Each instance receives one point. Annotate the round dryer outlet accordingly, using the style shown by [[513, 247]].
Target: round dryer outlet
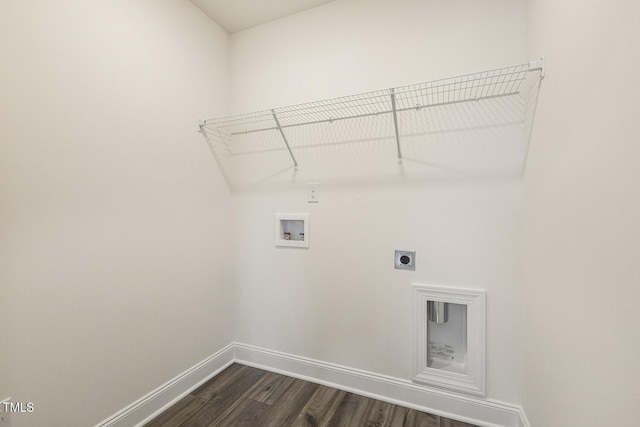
[[405, 260]]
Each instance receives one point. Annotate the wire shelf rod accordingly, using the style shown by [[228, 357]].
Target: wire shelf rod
[[337, 104], [204, 133], [275, 117], [495, 83], [336, 108], [435, 95], [518, 70], [395, 123], [398, 110]]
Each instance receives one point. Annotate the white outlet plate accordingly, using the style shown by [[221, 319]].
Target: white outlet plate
[[313, 192]]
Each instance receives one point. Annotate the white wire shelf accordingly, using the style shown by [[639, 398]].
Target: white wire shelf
[[228, 136]]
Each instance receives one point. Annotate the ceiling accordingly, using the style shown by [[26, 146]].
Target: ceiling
[[238, 15]]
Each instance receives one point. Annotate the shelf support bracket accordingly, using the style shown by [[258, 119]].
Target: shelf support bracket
[[275, 117], [395, 124], [203, 131], [537, 65]]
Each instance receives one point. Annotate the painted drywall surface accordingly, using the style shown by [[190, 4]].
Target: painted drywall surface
[[114, 219], [372, 44], [341, 301], [581, 229]]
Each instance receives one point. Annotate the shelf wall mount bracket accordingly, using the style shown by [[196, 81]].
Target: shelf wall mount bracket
[[395, 124], [203, 131], [537, 65], [275, 117]]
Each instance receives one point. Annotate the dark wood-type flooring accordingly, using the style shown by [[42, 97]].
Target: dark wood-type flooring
[[245, 396]]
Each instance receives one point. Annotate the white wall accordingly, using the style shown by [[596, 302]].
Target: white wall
[[581, 234], [108, 196], [341, 301], [351, 46], [113, 217]]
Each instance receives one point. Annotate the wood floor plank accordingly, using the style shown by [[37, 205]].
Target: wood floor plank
[[399, 417], [378, 414], [225, 400], [421, 419], [320, 408], [245, 396], [446, 422], [209, 389], [247, 413], [180, 411], [270, 388], [286, 409], [350, 411]]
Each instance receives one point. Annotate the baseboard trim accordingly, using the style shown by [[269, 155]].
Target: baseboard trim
[[479, 411], [474, 410], [154, 403]]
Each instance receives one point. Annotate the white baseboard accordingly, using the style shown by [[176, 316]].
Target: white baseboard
[[479, 411], [160, 399]]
